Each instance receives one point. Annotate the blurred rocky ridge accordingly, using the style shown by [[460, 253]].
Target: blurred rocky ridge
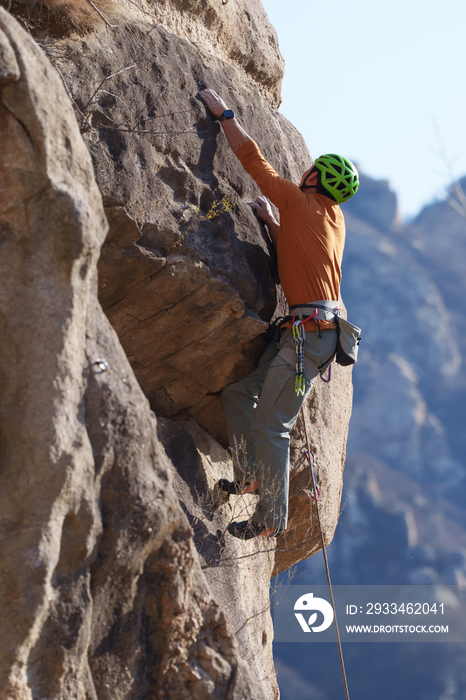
[[404, 284], [403, 518], [147, 595]]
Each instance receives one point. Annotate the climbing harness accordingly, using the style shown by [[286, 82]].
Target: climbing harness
[[316, 498], [348, 337], [323, 310]]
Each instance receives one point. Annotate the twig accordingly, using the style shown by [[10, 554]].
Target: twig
[[68, 91], [226, 560], [89, 102], [136, 116], [222, 537], [123, 70], [108, 77], [103, 152], [170, 114], [116, 97], [98, 111], [264, 551], [251, 617], [159, 116], [112, 26], [148, 131]]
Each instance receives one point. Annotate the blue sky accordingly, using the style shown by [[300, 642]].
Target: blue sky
[[381, 83]]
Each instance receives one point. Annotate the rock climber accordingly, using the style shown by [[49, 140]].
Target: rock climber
[[261, 409]]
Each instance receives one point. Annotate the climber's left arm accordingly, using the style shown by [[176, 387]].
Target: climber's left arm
[[264, 211]]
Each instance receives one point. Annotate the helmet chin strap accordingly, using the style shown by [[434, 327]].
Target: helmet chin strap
[[318, 186], [311, 172]]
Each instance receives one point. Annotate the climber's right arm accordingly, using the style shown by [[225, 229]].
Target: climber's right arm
[[276, 188], [235, 134]]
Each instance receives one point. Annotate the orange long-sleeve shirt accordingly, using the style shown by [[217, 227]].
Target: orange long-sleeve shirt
[[311, 236]]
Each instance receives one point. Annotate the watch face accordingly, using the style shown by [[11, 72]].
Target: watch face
[[228, 114]]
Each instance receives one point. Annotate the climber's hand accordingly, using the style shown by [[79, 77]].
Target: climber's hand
[[214, 102], [264, 211]]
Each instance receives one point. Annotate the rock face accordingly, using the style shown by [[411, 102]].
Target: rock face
[[189, 300], [238, 573], [187, 277], [119, 575], [102, 593], [239, 32]]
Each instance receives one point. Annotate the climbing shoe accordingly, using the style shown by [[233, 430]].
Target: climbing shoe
[[236, 488], [247, 529]]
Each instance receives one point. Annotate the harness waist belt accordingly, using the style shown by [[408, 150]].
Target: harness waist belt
[[326, 310]]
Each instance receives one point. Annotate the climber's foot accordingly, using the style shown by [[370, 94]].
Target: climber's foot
[[236, 488], [247, 529]]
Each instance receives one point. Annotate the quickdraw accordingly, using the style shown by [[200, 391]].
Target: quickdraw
[[299, 335]]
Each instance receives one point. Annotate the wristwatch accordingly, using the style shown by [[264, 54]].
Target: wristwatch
[[228, 114]]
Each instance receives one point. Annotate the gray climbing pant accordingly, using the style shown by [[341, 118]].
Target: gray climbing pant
[[261, 410]]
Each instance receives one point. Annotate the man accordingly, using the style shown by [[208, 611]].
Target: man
[[262, 408]]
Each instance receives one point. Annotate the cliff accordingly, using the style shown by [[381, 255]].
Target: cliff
[[116, 572]]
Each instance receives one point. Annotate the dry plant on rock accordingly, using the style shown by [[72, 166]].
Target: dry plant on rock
[[242, 507], [62, 16]]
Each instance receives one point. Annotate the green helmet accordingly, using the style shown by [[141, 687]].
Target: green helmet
[[338, 176]]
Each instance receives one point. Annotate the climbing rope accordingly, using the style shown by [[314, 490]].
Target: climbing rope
[[312, 462]]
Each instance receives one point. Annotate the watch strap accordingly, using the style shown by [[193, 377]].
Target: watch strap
[[227, 114]]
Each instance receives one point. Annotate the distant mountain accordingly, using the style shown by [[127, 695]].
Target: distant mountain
[[403, 518]]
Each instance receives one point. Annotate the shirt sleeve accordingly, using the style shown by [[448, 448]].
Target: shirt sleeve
[[274, 187]]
